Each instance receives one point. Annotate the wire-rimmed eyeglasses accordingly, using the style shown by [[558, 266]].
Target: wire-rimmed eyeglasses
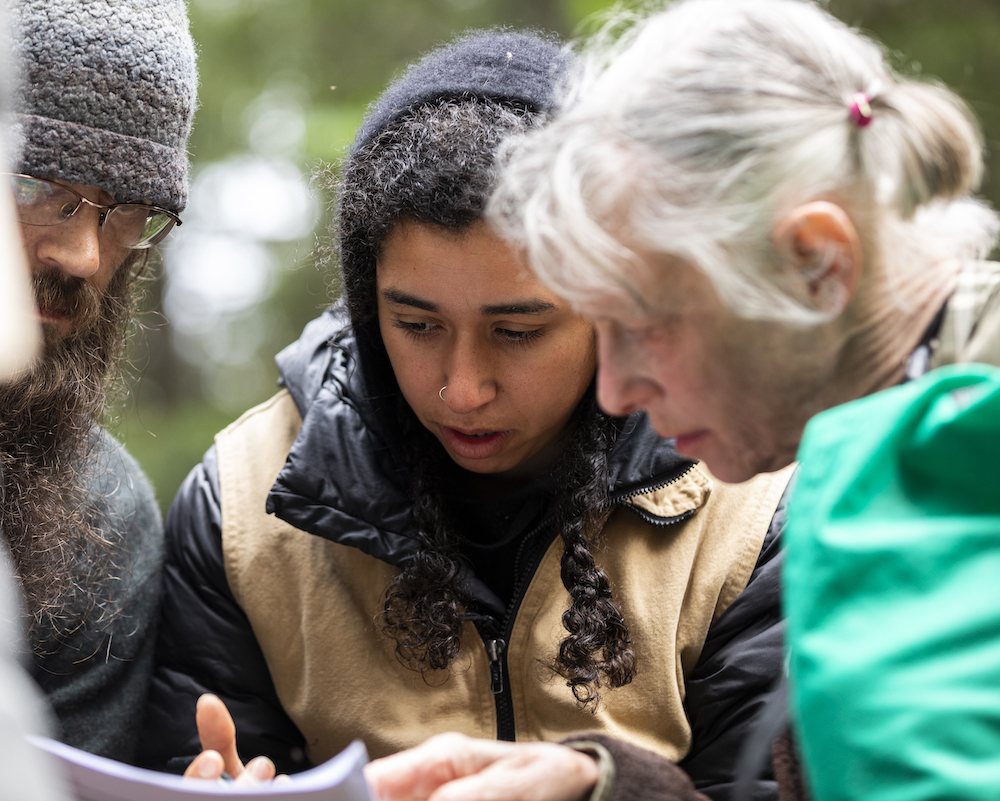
[[129, 225]]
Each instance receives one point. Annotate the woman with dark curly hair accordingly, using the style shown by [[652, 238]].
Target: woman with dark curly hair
[[458, 539]]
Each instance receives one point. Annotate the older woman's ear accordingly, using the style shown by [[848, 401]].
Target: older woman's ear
[[822, 255]]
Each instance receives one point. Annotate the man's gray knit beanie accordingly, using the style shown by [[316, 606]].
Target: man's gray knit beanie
[[498, 64], [108, 91]]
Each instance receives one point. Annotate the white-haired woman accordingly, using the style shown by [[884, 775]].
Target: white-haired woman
[[765, 222]]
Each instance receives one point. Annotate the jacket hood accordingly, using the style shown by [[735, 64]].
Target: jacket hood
[[499, 64], [341, 480]]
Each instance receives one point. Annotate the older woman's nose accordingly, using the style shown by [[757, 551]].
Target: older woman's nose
[[622, 386]]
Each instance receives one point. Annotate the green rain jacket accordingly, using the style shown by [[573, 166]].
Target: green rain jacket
[[892, 592]]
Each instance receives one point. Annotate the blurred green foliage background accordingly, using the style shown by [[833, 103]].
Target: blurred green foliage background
[[283, 84]]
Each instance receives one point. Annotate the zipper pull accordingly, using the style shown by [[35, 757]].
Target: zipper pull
[[494, 650]]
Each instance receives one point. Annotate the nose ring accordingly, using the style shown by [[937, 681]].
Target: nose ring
[[441, 391]]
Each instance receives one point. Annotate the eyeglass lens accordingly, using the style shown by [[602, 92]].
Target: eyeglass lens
[[130, 225]]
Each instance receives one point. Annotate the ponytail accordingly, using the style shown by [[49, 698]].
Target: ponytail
[[923, 145]]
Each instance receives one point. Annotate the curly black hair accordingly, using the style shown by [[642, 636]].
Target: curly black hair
[[437, 166]]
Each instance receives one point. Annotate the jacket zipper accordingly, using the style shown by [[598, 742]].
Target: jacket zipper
[[627, 494], [496, 637], [494, 650], [496, 645]]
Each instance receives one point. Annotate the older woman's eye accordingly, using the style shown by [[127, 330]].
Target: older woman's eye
[[651, 332]]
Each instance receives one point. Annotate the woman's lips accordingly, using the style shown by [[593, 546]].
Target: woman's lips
[[474, 444]]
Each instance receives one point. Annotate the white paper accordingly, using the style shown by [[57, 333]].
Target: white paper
[[94, 778]]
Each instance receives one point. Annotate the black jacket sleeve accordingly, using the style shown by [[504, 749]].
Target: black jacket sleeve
[[739, 666], [206, 644]]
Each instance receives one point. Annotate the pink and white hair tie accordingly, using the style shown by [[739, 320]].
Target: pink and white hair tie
[[861, 110]]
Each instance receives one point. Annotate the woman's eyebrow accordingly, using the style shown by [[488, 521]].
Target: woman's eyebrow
[[404, 299], [519, 307]]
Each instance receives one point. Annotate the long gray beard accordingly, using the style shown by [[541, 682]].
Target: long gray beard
[[49, 427]]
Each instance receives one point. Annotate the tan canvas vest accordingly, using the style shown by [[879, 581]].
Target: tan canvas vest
[[313, 603]]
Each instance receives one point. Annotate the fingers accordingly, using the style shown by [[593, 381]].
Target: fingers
[[412, 775], [528, 772], [452, 767], [218, 739], [258, 769], [415, 774], [210, 765], [218, 732], [207, 765]]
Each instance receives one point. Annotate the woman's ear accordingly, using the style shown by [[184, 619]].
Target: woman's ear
[[821, 251]]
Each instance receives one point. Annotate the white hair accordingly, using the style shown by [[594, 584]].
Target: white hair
[[694, 131]]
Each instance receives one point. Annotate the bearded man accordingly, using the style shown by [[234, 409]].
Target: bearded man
[[101, 124]]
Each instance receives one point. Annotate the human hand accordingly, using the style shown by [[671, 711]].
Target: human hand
[[218, 741], [453, 767]]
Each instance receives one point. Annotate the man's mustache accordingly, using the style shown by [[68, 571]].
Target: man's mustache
[[68, 297]]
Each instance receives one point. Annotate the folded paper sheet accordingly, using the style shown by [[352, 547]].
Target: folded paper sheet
[[94, 778]]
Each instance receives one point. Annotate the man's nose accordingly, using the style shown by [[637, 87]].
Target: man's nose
[[470, 379], [73, 246], [622, 385]]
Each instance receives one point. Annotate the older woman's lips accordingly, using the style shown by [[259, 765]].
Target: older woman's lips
[[685, 443], [474, 444]]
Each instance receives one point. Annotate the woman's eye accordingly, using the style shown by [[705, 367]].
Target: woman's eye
[[518, 337], [414, 329]]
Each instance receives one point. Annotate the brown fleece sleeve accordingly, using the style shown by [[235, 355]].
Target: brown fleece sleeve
[[631, 773], [788, 769]]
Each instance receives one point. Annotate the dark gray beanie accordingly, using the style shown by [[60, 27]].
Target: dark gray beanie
[[108, 91], [498, 64]]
